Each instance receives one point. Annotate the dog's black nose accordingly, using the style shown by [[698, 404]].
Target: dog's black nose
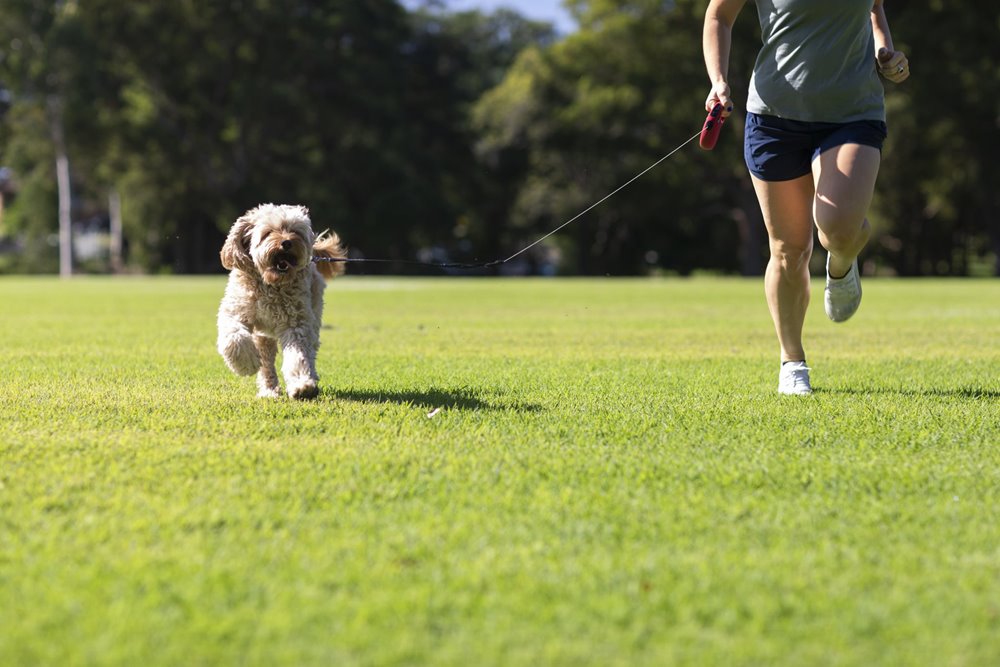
[[286, 245]]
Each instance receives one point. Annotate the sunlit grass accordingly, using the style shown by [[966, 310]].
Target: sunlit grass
[[501, 472]]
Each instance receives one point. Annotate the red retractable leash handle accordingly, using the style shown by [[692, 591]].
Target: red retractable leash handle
[[710, 131]]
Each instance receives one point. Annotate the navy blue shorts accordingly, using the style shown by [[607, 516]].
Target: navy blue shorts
[[776, 149]]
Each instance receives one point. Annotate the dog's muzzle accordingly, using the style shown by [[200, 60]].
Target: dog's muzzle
[[285, 262]]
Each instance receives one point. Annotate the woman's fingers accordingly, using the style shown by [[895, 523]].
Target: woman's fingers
[[719, 95], [893, 65]]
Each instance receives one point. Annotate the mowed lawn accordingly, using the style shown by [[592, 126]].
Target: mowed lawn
[[501, 472]]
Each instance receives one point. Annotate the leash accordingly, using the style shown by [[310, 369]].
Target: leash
[[708, 135]]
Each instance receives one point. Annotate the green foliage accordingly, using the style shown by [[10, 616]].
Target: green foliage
[[38, 45], [276, 105], [597, 108], [29, 153], [938, 198], [467, 132], [584, 115], [198, 111], [611, 479]]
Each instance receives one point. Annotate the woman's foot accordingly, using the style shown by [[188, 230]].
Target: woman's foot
[[794, 379], [842, 295]]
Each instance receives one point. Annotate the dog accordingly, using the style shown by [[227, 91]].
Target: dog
[[274, 297]]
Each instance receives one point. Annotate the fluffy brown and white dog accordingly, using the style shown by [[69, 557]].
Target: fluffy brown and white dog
[[275, 297]]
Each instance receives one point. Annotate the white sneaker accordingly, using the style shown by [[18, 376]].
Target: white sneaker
[[842, 295], [794, 379]]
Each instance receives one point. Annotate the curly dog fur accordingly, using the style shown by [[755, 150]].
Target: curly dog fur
[[275, 297]]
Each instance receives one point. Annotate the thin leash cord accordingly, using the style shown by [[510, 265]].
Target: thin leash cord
[[498, 262]]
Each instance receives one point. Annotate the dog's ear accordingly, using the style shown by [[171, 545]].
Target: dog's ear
[[235, 252]]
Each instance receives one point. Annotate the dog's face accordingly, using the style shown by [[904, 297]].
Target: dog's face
[[273, 241], [280, 247]]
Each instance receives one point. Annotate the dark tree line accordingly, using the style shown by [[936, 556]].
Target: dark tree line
[[459, 136]]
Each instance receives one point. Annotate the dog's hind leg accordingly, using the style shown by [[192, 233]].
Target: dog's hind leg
[[298, 362], [267, 376]]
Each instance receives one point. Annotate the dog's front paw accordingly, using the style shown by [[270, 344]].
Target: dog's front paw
[[240, 354], [303, 389], [268, 392]]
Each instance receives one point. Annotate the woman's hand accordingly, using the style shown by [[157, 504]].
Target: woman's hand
[[893, 65], [720, 95]]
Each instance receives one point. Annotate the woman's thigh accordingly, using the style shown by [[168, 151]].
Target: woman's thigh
[[787, 210], [844, 180]]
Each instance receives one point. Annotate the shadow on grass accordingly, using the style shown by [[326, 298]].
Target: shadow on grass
[[432, 398], [962, 392]]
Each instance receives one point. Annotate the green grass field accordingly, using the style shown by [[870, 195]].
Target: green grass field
[[611, 479]]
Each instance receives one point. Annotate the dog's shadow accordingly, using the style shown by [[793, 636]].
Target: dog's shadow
[[459, 399]]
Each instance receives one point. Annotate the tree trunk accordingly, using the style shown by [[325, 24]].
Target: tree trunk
[[115, 215], [63, 184]]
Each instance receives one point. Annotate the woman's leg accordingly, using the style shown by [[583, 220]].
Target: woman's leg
[[844, 178], [787, 209]]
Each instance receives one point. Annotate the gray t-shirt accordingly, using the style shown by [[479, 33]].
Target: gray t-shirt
[[817, 63]]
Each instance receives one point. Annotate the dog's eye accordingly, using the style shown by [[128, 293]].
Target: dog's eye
[[265, 234]]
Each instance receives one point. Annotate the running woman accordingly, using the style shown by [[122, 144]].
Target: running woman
[[814, 131]]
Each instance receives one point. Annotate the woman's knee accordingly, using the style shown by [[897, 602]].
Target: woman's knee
[[791, 257], [843, 235]]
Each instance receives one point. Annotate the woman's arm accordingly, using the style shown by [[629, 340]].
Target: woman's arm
[[892, 64], [717, 40]]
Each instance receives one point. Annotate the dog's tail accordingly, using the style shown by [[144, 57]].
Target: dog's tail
[[328, 245]]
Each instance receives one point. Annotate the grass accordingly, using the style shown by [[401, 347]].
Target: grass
[[611, 479]]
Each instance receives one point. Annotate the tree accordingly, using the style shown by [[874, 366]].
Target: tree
[[572, 121], [44, 52], [937, 201], [586, 114], [357, 110], [467, 132], [453, 60], [221, 105]]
